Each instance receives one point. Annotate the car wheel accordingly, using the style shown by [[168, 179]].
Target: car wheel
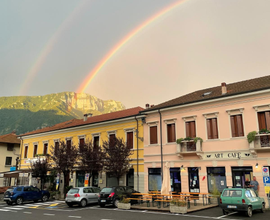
[[249, 211], [102, 205], [83, 203], [224, 212], [69, 204], [115, 203], [45, 198], [263, 208], [19, 201], [9, 202]]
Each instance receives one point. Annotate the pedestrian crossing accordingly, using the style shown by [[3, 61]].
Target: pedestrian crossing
[[43, 205]]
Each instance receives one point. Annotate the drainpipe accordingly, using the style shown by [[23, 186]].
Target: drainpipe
[[137, 153], [21, 148], [161, 150]]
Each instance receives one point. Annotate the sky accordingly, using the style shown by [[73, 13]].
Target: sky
[[51, 46]]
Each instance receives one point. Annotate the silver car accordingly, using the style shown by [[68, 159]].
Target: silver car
[[82, 196]]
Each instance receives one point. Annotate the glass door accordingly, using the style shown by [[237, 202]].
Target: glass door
[[194, 184]]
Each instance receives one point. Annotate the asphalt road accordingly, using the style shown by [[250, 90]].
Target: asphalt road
[[59, 211]]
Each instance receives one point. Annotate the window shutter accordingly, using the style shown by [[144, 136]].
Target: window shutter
[[233, 124], [192, 129], [262, 120], [169, 133], [130, 139], [112, 140], [56, 146], [45, 149], [267, 119], [240, 125], [214, 128], [173, 133], [188, 130], [153, 135], [25, 151], [209, 130]]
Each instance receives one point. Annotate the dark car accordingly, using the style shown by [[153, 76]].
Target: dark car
[[112, 195], [19, 194]]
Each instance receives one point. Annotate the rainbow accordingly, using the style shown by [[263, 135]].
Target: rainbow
[[122, 42], [35, 68]]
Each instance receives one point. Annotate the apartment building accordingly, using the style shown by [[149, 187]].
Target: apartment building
[[9, 152], [211, 127], [126, 124]]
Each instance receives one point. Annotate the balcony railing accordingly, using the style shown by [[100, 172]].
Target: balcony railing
[[189, 147], [261, 143]]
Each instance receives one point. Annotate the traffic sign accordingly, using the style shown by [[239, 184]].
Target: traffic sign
[[266, 179], [265, 171]]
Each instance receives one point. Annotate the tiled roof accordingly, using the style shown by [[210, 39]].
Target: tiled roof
[[90, 120], [10, 138], [236, 88]]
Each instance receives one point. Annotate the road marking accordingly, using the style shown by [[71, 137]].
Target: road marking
[[55, 204], [49, 214], [13, 208], [33, 207], [226, 215], [2, 205], [74, 216], [27, 212], [4, 210]]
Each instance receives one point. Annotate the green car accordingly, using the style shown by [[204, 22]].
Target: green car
[[241, 200]]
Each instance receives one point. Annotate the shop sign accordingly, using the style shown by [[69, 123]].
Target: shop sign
[[265, 171], [86, 179], [228, 155]]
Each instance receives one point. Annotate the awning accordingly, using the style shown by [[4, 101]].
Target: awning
[[16, 174]]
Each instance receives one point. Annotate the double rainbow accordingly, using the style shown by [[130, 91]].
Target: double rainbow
[[118, 46]]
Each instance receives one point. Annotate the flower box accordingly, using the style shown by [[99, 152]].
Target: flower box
[[178, 209], [123, 205]]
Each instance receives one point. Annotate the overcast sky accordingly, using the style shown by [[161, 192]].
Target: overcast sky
[[198, 44]]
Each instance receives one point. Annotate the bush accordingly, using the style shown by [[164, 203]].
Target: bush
[[251, 136], [179, 202]]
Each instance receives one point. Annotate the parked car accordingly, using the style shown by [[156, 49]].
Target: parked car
[[19, 194], [241, 200], [82, 196], [112, 195]]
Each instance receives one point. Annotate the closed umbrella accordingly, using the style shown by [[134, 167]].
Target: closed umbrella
[[166, 183]]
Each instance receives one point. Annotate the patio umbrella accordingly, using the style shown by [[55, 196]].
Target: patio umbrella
[[166, 183]]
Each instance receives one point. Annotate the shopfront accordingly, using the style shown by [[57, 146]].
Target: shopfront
[[240, 175], [193, 179], [216, 178]]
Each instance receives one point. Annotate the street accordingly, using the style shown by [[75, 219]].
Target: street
[[58, 210]]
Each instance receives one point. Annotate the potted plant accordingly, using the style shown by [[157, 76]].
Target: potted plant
[[178, 206], [251, 136], [124, 203]]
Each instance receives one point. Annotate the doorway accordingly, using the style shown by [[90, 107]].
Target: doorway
[[175, 179], [240, 175], [193, 179]]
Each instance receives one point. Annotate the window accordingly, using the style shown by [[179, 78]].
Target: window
[[190, 129], [8, 161], [153, 135], [237, 126], [35, 150], [10, 147], [212, 128], [130, 139], [96, 141], [111, 140], [56, 146], [68, 145], [171, 133], [154, 182], [81, 143], [45, 148], [25, 151], [264, 120]]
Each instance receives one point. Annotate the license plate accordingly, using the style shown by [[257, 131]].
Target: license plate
[[232, 206], [103, 200]]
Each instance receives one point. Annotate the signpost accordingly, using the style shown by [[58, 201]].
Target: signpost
[[265, 171], [86, 179]]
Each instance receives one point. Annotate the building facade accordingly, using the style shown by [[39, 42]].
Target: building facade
[[9, 152], [211, 127], [126, 124]]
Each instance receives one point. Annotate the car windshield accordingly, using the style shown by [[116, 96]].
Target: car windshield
[[106, 190], [10, 189], [232, 193], [73, 191]]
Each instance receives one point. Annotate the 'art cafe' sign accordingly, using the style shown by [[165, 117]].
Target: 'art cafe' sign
[[227, 155]]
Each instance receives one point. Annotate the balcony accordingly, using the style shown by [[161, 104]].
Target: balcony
[[260, 144], [189, 148]]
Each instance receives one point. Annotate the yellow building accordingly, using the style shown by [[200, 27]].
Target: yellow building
[[126, 124]]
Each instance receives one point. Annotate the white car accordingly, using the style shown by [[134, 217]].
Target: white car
[[82, 196]]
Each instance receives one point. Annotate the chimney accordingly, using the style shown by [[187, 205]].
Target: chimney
[[152, 106], [84, 117], [89, 115], [223, 88], [147, 106]]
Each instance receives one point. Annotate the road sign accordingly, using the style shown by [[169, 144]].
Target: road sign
[[266, 179], [265, 171]]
